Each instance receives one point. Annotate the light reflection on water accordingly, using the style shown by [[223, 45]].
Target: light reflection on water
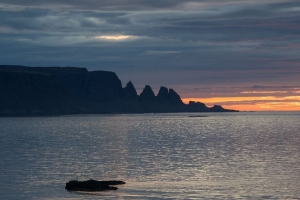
[[160, 156]]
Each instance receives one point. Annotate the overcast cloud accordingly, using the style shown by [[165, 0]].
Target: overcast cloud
[[179, 44]]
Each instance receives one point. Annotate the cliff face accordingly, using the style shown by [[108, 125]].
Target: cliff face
[[70, 90], [102, 86], [96, 86], [24, 93]]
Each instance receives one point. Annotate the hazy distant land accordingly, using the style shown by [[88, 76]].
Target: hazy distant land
[[27, 91]]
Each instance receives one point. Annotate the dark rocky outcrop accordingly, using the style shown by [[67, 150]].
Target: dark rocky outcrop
[[70, 90], [217, 108], [92, 185], [163, 95], [196, 107], [147, 94], [174, 98], [129, 91]]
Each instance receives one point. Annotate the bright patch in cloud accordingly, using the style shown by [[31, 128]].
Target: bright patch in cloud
[[116, 37]]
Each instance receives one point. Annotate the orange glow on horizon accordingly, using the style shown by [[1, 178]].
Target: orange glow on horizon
[[266, 103]]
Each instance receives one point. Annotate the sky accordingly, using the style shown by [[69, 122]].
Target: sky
[[241, 54]]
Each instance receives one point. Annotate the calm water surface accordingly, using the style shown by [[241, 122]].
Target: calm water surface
[[160, 156]]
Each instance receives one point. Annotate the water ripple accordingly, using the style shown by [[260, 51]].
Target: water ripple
[[161, 156]]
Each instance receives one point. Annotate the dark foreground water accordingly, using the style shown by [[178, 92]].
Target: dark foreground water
[[160, 156]]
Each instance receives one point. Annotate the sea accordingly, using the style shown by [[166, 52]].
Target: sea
[[244, 155]]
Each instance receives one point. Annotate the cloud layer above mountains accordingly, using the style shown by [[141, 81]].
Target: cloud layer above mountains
[[181, 44]]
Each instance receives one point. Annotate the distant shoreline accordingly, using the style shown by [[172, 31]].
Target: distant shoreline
[[40, 91]]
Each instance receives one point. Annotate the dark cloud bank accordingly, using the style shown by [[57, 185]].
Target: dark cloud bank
[[180, 44]]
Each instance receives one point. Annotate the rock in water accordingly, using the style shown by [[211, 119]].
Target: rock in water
[[92, 185]]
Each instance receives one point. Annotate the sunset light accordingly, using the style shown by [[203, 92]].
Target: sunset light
[[185, 99], [264, 103]]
